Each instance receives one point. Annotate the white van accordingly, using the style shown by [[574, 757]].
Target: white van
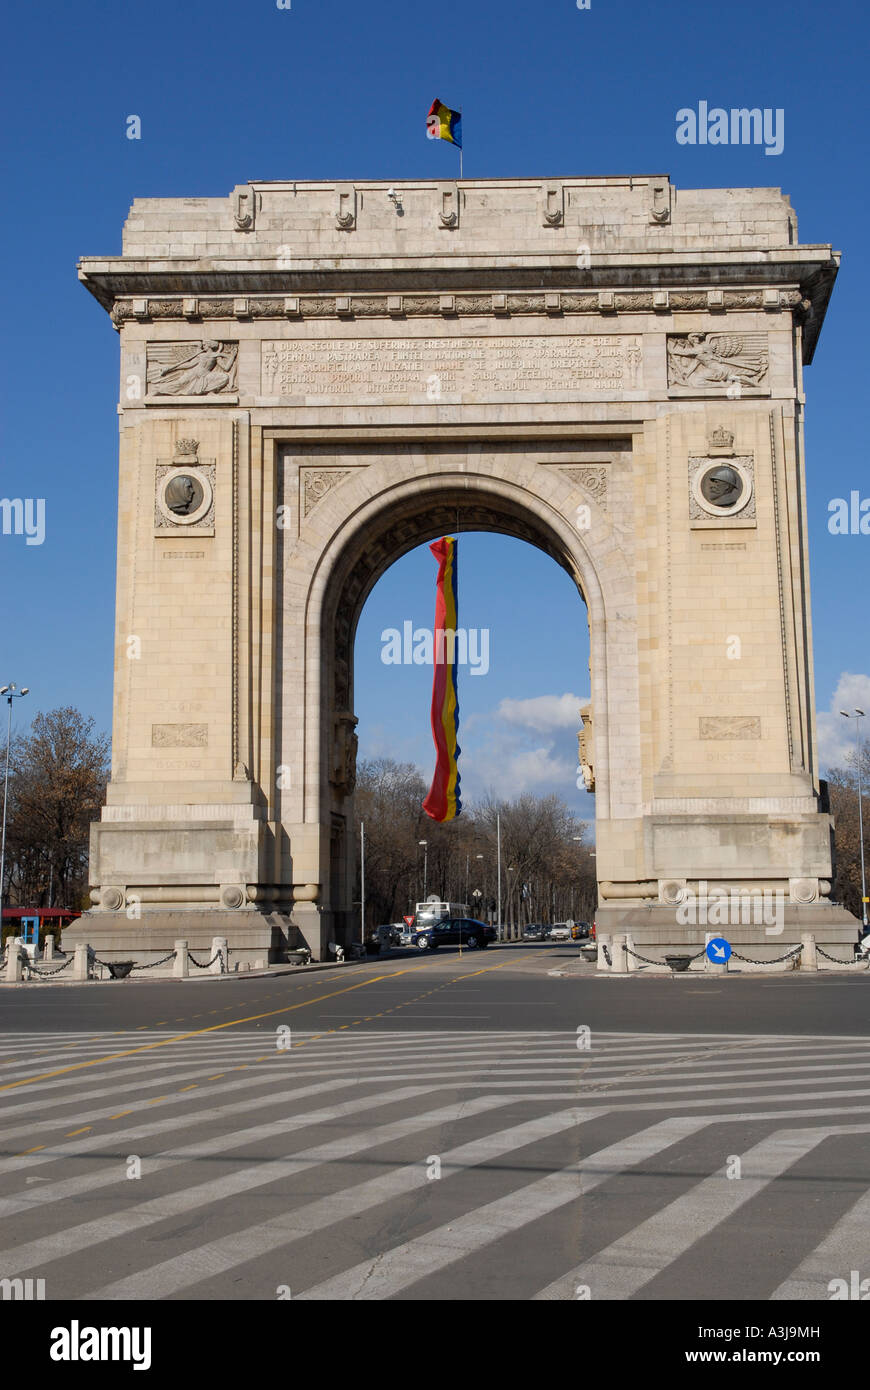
[[432, 911]]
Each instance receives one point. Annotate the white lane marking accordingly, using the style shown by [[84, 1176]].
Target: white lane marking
[[220, 1255], [620, 1269], [186, 1199], [405, 1264], [845, 1248]]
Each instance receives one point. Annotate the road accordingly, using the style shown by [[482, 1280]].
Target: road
[[436, 1127]]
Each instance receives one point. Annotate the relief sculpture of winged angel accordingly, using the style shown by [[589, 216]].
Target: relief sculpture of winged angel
[[717, 359], [188, 369]]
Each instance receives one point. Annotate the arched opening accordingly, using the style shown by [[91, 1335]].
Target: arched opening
[[385, 521], [522, 657]]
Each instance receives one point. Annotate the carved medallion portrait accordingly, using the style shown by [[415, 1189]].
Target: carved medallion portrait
[[721, 488], [184, 496]]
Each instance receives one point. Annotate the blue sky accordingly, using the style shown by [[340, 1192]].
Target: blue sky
[[228, 92]]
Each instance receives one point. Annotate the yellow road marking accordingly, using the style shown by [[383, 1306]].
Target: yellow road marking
[[194, 1087], [120, 1115], [34, 1150], [72, 1132], [195, 1033]]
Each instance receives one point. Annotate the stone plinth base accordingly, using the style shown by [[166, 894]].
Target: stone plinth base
[[251, 935], [656, 927]]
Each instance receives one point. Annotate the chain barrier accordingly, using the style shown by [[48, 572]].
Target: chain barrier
[[151, 963], [863, 960], [647, 960], [774, 960], [40, 973], [200, 965], [606, 954]]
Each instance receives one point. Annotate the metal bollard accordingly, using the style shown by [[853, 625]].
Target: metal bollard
[[181, 965]]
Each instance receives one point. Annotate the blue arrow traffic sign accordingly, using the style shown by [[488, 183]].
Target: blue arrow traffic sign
[[718, 950]]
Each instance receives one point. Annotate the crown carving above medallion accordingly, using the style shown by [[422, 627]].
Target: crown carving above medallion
[[186, 448], [721, 438]]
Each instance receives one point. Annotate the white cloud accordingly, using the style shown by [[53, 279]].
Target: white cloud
[[543, 712], [528, 746], [836, 734], [521, 746]]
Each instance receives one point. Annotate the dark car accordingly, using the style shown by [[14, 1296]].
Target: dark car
[[455, 931], [534, 932]]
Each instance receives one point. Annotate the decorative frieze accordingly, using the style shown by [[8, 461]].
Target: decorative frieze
[[429, 305]]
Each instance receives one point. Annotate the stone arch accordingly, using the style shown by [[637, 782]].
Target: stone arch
[[374, 517]]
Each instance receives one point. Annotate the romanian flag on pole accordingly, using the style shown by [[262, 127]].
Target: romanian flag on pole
[[444, 124], [443, 802]]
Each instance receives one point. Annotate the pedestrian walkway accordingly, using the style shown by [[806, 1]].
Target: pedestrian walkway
[[455, 1165]]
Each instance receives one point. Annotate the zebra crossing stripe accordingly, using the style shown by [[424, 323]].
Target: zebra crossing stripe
[[138, 1133], [394, 1270], [625, 1266], [135, 1218], [845, 1248], [159, 1281]]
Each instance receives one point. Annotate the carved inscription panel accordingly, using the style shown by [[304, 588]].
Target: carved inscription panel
[[429, 368]]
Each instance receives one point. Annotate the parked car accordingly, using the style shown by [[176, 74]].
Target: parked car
[[559, 931], [534, 932], [454, 931], [390, 934]]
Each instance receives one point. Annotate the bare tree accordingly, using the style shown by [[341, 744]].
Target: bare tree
[[843, 795], [540, 843], [58, 775]]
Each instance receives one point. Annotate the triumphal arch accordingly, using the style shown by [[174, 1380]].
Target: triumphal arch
[[317, 377]]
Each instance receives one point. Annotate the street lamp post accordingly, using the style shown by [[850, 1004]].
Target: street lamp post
[[425, 844], [362, 882], [858, 716], [11, 692], [498, 858]]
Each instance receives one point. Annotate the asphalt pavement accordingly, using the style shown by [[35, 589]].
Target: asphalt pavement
[[430, 1127]]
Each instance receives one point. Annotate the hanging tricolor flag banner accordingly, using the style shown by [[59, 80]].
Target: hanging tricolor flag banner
[[444, 124], [442, 802]]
